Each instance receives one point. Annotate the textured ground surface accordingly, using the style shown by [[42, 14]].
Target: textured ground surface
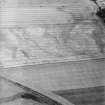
[[50, 33], [74, 78], [85, 96]]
